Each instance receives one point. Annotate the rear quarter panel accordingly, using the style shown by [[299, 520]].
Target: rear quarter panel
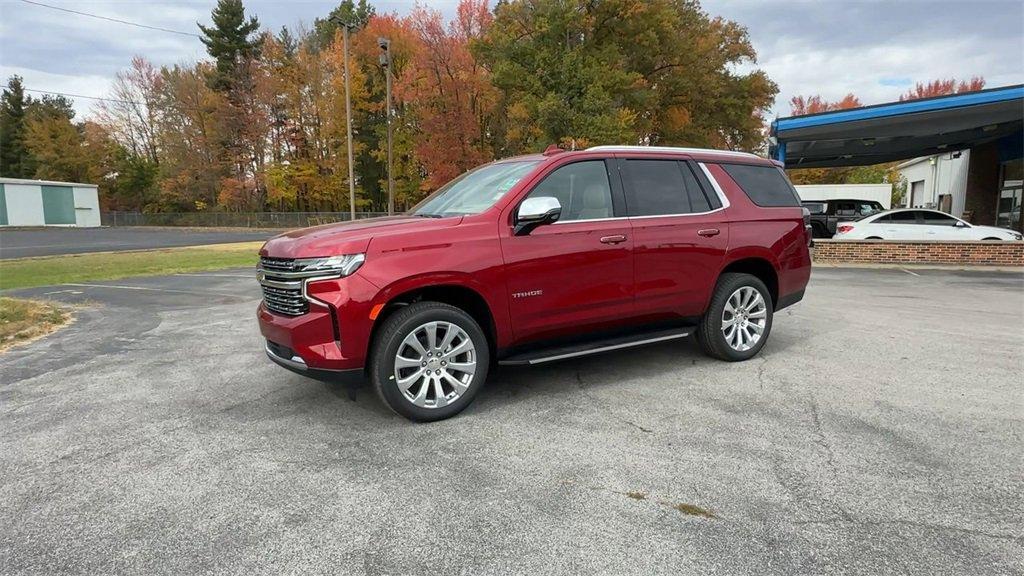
[[774, 234]]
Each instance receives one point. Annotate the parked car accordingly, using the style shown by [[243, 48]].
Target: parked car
[[919, 224], [826, 214], [535, 259]]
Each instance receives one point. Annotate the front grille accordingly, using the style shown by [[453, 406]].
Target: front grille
[[285, 301], [282, 294]]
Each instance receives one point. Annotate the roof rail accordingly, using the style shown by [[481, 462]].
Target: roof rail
[[671, 149]]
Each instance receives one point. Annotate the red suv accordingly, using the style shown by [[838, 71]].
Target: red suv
[[534, 259]]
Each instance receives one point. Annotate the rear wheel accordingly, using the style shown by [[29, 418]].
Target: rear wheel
[[989, 239], [429, 360], [736, 324], [873, 238]]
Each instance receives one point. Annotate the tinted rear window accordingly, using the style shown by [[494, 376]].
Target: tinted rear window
[[765, 185], [656, 187]]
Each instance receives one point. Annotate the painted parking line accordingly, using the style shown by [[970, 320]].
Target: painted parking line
[[909, 272], [148, 289]]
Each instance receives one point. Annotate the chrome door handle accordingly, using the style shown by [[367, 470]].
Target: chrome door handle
[[617, 238], [708, 232]]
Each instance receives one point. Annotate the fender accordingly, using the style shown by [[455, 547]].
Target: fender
[[491, 293]]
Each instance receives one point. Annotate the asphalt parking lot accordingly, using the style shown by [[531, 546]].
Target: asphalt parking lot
[[22, 243], [879, 432]]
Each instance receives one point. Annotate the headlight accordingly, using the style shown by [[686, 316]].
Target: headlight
[[340, 265]]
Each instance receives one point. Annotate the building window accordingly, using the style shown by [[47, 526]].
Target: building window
[[1011, 186]]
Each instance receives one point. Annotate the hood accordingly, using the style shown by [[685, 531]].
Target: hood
[[994, 230], [347, 237]]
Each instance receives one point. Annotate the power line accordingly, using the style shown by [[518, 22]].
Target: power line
[[52, 93], [111, 20]]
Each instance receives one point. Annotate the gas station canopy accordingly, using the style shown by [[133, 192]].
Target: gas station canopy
[[899, 130]]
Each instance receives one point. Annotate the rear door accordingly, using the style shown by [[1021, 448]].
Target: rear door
[[902, 225], [576, 274], [679, 234]]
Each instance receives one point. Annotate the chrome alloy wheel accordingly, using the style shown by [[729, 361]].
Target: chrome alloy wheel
[[435, 364], [744, 318]]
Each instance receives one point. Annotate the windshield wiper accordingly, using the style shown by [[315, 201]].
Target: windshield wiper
[[428, 215]]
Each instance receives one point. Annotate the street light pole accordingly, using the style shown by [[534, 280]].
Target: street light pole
[[385, 61], [345, 26]]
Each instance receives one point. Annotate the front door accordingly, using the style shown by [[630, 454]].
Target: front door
[[575, 274]]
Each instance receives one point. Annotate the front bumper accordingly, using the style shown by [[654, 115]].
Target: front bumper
[[286, 358], [333, 335]]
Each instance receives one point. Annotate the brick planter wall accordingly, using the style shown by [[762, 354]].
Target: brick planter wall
[[920, 252]]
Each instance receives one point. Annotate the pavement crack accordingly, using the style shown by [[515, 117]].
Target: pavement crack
[[1018, 539], [830, 455]]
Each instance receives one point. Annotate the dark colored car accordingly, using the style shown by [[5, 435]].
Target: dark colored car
[[534, 259], [827, 214]]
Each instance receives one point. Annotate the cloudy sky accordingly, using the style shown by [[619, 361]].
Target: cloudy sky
[[874, 49]]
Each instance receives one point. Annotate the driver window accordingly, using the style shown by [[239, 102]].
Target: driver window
[[581, 188]]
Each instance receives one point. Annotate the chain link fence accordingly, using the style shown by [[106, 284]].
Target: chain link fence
[[230, 219]]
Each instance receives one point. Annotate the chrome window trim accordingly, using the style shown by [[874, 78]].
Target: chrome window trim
[[677, 215], [711, 178], [557, 222], [714, 184]]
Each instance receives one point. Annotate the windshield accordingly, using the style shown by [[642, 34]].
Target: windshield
[[474, 191]]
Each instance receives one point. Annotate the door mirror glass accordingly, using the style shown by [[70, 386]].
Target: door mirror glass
[[536, 211]]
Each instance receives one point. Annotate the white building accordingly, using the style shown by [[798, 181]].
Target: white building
[[881, 193], [938, 182], [45, 203]]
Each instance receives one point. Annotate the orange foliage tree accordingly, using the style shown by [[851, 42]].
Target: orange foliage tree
[[943, 88]]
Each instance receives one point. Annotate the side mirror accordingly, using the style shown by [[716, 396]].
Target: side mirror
[[536, 211], [961, 224]]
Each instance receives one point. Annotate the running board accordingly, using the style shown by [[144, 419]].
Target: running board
[[595, 347]]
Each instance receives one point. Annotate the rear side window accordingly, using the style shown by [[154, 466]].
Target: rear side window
[[905, 217], [662, 188], [656, 187], [765, 185]]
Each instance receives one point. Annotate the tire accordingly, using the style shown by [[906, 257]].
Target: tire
[[991, 239], [721, 344], [873, 238], [420, 400]]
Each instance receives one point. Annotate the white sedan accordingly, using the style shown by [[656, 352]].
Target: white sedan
[[918, 224]]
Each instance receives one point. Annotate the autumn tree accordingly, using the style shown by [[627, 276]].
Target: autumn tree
[[131, 112], [943, 88], [802, 106], [622, 72]]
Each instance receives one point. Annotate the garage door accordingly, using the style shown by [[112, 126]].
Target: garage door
[[58, 205]]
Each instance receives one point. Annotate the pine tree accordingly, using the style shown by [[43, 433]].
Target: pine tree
[[229, 42], [15, 160]]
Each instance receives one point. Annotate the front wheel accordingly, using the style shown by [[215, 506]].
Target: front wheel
[[429, 360], [737, 322]]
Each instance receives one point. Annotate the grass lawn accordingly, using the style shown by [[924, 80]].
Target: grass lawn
[[52, 270], [25, 320]]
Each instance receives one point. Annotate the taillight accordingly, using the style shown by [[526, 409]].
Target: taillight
[[844, 229]]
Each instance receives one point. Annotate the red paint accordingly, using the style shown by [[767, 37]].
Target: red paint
[[561, 279]]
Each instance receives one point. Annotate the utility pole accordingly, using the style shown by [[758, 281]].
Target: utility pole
[[348, 119], [385, 61]]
